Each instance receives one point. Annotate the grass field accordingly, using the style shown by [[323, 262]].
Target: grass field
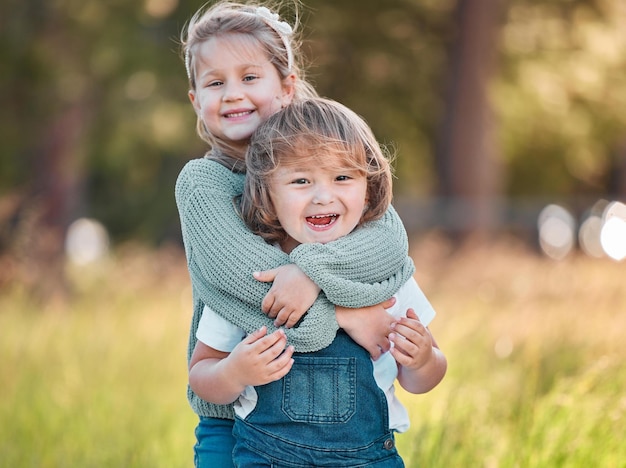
[[536, 375]]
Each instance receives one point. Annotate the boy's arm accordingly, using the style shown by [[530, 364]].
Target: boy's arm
[[219, 377], [427, 377]]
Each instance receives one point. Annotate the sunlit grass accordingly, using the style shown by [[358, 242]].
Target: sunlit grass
[[100, 383], [535, 347], [536, 362]]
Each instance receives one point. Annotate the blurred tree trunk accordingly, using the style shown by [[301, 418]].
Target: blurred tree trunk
[[469, 175], [57, 191], [56, 155]]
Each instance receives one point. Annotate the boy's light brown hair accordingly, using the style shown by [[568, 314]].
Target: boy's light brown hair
[[315, 132]]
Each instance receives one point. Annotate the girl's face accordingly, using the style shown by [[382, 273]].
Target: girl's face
[[237, 87], [317, 204]]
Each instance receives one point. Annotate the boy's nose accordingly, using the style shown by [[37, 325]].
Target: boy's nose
[[322, 196]]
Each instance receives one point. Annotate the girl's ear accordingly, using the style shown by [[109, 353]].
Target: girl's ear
[[194, 103], [289, 89]]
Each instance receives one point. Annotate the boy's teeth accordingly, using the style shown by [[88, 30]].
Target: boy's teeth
[[321, 220]]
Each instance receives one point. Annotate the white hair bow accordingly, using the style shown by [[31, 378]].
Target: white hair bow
[[282, 28]]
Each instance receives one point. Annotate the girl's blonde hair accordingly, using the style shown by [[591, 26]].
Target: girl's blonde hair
[[315, 132], [279, 40]]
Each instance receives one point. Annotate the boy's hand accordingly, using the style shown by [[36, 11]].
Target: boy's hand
[[291, 295], [412, 342], [261, 358]]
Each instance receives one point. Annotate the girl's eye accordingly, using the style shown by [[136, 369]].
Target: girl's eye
[[343, 177], [250, 77], [213, 84], [299, 181]]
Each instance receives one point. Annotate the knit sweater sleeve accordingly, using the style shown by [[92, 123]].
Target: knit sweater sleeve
[[222, 254], [364, 268]]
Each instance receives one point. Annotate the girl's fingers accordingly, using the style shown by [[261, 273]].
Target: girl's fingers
[[267, 304], [266, 276]]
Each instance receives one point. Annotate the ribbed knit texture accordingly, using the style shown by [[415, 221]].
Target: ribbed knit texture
[[355, 269], [364, 268]]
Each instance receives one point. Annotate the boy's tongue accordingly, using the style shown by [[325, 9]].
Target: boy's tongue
[[321, 220]]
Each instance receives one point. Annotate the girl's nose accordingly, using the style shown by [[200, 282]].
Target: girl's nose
[[232, 92]]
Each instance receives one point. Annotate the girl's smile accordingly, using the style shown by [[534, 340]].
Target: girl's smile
[[236, 89]]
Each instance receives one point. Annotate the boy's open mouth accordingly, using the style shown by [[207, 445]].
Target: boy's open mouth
[[321, 220]]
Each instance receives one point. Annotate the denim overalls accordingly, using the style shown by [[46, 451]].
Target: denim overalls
[[327, 412]]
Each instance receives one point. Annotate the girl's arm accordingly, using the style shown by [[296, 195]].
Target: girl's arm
[[363, 268], [346, 270], [368, 326], [222, 254]]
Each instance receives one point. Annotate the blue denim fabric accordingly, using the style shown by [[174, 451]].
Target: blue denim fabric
[[214, 443], [327, 412]]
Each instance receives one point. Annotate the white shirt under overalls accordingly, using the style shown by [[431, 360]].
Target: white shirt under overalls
[[220, 334]]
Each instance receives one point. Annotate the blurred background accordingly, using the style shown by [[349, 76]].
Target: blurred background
[[496, 109], [508, 123]]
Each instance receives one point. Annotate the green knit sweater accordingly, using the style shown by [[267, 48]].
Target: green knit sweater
[[364, 268]]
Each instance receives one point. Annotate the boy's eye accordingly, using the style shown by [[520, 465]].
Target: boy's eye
[[214, 83], [249, 77], [343, 177], [299, 181]]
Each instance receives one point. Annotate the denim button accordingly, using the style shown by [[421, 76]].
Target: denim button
[[388, 444]]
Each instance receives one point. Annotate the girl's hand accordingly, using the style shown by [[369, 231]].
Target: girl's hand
[[368, 326], [412, 342], [291, 295]]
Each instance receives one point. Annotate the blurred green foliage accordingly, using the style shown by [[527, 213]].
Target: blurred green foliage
[[560, 95], [102, 84]]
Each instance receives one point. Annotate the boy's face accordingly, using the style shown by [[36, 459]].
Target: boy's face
[[317, 204], [237, 87]]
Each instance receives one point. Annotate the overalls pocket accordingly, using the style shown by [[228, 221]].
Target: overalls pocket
[[320, 390]]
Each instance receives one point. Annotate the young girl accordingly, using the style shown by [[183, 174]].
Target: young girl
[[316, 172], [243, 66]]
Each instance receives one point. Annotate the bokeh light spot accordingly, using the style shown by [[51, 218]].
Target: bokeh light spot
[[613, 238], [160, 8], [141, 85], [503, 347], [87, 241], [589, 236], [556, 231]]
